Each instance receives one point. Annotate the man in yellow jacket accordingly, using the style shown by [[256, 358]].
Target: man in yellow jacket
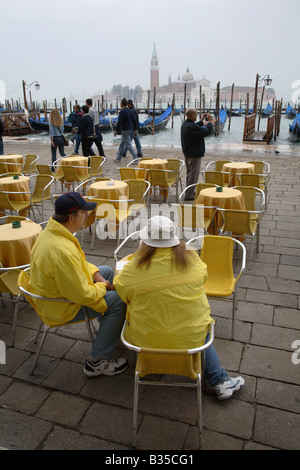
[[59, 269]]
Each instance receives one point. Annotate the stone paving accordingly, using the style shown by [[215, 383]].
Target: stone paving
[[60, 408]]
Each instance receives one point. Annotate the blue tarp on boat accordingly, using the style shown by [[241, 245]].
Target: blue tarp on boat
[[157, 119], [267, 111], [295, 123], [290, 112]]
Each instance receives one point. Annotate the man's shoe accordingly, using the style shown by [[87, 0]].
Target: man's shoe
[[105, 367], [189, 198], [226, 389], [124, 156], [115, 160]]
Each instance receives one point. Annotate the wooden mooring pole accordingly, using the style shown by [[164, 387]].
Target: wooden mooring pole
[[230, 111]]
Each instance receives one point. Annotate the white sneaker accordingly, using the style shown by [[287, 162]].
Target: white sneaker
[[105, 367], [226, 389]]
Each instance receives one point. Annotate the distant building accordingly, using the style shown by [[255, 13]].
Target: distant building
[[240, 94], [164, 93]]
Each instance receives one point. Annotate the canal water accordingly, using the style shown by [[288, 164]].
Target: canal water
[[170, 136]]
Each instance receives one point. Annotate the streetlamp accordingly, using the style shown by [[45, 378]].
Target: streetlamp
[[25, 86], [267, 80]]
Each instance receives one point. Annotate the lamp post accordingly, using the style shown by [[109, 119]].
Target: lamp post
[[37, 87], [267, 80]]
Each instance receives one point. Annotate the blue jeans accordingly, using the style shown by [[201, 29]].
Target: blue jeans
[[137, 144], [214, 373], [126, 144], [110, 322], [58, 142]]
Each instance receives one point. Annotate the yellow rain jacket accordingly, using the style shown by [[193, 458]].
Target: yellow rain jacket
[[166, 307], [59, 269]]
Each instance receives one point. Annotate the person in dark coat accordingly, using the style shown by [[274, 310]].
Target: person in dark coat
[[126, 126], [135, 135], [193, 146], [86, 131]]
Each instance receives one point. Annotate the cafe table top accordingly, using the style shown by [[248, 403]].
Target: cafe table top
[[236, 167], [112, 189], [15, 162], [9, 183], [16, 243], [155, 164], [229, 198]]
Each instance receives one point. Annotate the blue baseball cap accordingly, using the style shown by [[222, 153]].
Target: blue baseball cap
[[71, 202]]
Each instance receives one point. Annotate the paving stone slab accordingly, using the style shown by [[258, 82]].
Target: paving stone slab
[[108, 422], [287, 317], [171, 436], [212, 440], [273, 337], [278, 395], [63, 409], [67, 376], [277, 428], [22, 432], [270, 364], [65, 439], [23, 397]]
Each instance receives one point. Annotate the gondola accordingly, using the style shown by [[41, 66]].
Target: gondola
[[106, 124], [267, 111], [160, 122], [290, 113], [235, 112], [294, 129]]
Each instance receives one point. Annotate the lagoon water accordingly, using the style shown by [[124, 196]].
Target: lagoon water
[[171, 136]]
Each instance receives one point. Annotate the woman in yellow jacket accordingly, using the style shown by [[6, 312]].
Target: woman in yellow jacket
[[163, 287]]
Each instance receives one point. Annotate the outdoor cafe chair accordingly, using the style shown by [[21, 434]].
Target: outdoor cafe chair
[[11, 205], [139, 192], [163, 180], [96, 162], [216, 177], [72, 176], [217, 254], [175, 362], [192, 219], [40, 193], [176, 164], [240, 223], [9, 288], [216, 164], [24, 288], [256, 181], [29, 165]]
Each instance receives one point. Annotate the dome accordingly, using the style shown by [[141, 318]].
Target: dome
[[187, 76]]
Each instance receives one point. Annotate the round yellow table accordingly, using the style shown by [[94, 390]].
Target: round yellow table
[[108, 189], [73, 161], [13, 162], [236, 167], [155, 164], [16, 243], [227, 199], [8, 183]]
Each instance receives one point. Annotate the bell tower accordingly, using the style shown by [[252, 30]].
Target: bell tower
[[154, 70]]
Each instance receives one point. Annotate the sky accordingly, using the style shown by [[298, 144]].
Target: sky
[[79, 48]]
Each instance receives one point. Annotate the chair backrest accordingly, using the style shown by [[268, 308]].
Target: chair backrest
[[175, 164], [42, 187], [43, 169], [24, 287], [96, 162], [250, 193], [217, 164], [250, 179], [259, 166], [29, 163], [70, 173], [217, 254], [236, 221], [214, 177], [5, 202], [3, 168], [190, 216], [161, 177], [138, 190], [127, 173]]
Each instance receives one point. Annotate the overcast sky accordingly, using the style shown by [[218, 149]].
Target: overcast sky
[[84, 47]]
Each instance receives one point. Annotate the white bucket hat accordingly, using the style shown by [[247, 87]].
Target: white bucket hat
[[159, 232]]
